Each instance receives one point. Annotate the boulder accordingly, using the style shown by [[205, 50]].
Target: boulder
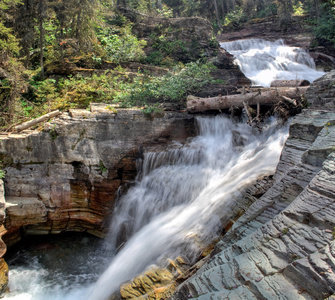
[[321, 93]]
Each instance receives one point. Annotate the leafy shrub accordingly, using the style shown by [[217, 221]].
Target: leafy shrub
[[154, 58], [120, 45], [236, 18], [298, 9], [118, 87], [324, 31], [174, 86], [165, 12]]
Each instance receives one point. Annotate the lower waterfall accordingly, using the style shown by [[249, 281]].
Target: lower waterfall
[[264, 61], [183, 194]]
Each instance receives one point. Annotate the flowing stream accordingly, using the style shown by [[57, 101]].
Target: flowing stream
[[264, 61], [180, 195]]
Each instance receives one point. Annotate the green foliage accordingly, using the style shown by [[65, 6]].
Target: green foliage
[[155, 58], [174, 86], [267, 10], [53, 133], [165, 12], [118, 87], [235, 18], [120, 45], [8, 43], [169, 46], [298, 9], [102, 167], [153, 110], [167, 52], [324, 31]]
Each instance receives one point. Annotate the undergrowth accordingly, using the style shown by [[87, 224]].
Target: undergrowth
[[115, 87]]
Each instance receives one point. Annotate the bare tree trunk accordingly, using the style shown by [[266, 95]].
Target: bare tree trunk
[[27, 60], [41, 17], [289, 83], [40, 119], [223, 9], [78, 25], [159, 4], [266, 96], [61, 44], [217, 13]]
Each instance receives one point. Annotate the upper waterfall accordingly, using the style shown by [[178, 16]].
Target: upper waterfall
[[264, 61]]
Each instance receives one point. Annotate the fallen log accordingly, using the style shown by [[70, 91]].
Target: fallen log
[[266, 96], [33, 122], [289, 83]]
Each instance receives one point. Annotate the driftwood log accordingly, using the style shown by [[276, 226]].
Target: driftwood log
[[40, 119], [266, 96], [289, 83]]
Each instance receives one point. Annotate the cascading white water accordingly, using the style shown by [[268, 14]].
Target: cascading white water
[[184, 193], [264, 61]]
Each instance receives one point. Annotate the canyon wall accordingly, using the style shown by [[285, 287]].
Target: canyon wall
[[66, 176]]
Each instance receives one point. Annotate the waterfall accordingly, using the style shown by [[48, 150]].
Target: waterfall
[[180, 195], [183, 193], [264, 61]]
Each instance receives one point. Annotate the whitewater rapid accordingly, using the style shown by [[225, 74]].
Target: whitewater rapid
[[265, 61]]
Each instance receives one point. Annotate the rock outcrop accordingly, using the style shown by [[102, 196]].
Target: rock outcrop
[[295, 32], [66, 177], [321, 94], [283, 246]]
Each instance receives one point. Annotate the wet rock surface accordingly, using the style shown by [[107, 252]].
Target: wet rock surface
[[283, 246]]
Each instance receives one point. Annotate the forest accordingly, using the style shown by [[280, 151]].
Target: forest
[[61, 54]]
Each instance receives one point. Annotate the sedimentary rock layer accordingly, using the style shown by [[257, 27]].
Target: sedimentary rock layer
[[66, 176], [283, 246]]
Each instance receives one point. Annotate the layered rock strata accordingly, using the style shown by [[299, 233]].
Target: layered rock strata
[[66, 177], [283, 246]]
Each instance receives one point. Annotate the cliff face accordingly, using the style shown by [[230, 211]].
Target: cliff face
[[66, 177], [283, 246]]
